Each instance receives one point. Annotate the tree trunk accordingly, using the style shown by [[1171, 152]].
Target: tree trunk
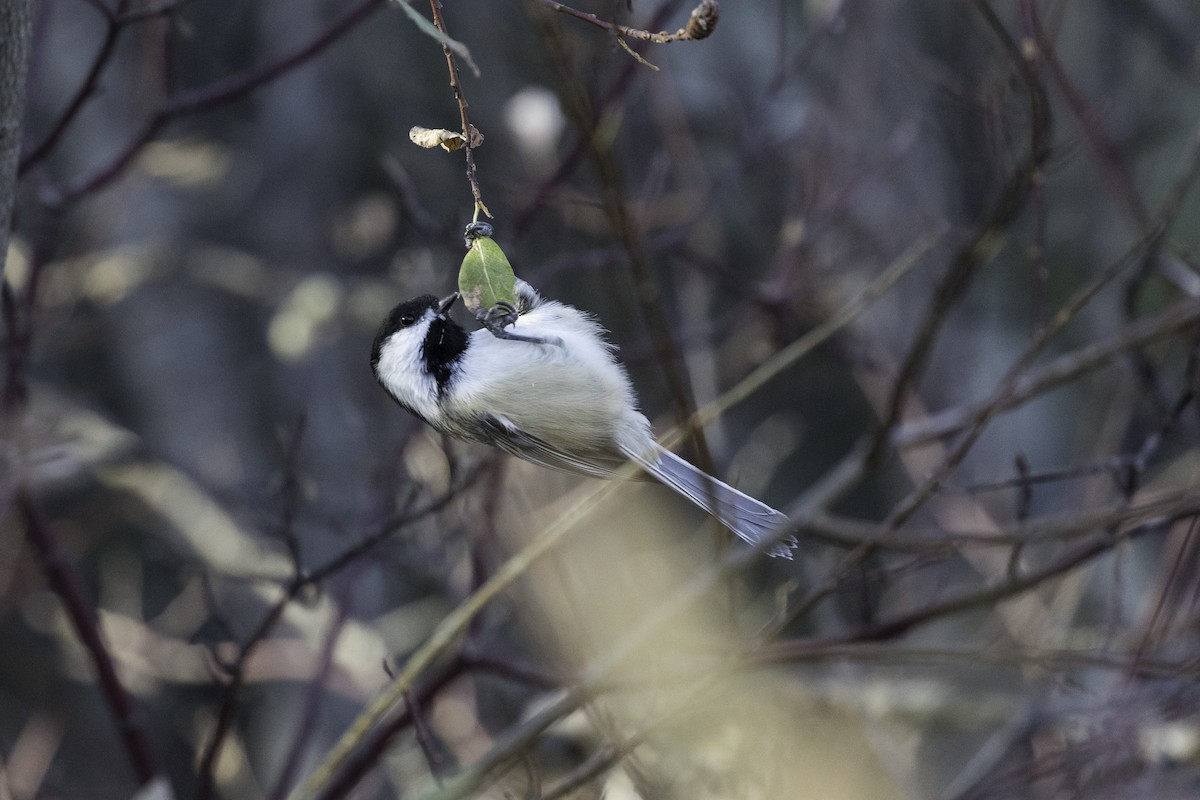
[[16, 26]]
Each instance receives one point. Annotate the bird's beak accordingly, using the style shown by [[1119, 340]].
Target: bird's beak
[[445, 303]]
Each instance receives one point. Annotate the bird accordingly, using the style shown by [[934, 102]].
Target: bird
[[555, 395]]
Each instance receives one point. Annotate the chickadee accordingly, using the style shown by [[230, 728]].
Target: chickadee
[[564, 403]]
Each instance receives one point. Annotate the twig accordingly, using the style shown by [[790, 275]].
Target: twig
[[700, 24], [469, 135], [424, 737]]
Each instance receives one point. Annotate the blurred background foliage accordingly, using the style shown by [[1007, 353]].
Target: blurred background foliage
[[200, 257]]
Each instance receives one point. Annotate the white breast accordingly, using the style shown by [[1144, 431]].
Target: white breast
[[574, 397]]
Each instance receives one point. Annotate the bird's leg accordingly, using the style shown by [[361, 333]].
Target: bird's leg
[[497, 318]]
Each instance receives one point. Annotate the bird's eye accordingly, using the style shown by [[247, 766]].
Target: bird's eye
[[408, 319]]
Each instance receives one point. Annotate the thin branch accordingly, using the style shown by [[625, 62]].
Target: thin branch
[[700, 25], [470, 135]]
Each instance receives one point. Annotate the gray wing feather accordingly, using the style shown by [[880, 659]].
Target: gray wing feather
[[517, 442]]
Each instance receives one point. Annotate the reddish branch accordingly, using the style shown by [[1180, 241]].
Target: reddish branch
[[66, 584]]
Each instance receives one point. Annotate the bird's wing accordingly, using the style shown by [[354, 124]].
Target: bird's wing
[[502, 433]]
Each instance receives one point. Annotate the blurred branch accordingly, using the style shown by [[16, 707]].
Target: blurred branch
[[16, 345], [371, 752], [1033, 382], [1039, 141], [1025, 59], [979, 251], [901, 624], [150, 10], [451, 627], [299, 584], [424, 736], [306, 726], [846, 315], [1111, 164], [900, 656], [67, 585], [204, 98], [1012, 377], [115, 22], [516, 739], [1119, 516]]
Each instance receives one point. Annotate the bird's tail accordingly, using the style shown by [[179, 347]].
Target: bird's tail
[[742, 514]]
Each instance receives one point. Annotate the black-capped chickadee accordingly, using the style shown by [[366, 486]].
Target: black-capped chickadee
[[561, 400]]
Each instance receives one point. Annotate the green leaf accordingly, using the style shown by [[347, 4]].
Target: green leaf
[[486, 278]]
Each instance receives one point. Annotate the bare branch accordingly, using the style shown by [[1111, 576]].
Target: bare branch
[[469, 134]]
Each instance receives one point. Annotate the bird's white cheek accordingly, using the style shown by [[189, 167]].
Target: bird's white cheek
[[401, 370]]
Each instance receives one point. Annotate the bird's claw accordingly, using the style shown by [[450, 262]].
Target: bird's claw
[[497, 319]]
